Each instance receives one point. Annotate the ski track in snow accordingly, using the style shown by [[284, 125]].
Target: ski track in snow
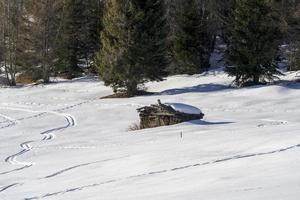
[[163, 172], [79, 166], [9, 186], [26, 147], [14, 170], [42, 113], [70, 121], [69, 169], [8, 121], [48, 135]]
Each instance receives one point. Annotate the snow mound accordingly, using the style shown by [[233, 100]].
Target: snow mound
[[184, 108]]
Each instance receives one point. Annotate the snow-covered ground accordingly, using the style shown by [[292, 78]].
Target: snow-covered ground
[[61, 141]]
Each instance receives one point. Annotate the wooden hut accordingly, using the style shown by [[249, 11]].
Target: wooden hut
[[167, 114]]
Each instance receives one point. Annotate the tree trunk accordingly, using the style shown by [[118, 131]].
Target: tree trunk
[[256, 79], [46, 74], [131, 88]]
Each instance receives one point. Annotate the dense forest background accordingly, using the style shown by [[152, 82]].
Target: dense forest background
[[129, 42]]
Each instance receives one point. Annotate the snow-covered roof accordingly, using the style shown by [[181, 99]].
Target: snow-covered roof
[[184, 108]]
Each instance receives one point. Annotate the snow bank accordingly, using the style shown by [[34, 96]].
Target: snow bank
[[184, 108]]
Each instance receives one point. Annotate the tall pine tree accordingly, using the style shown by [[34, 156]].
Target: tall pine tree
[[291, 19], [2, 32], [192, 40], [222, 12], [133, 42], [254, 39], [80, 35]]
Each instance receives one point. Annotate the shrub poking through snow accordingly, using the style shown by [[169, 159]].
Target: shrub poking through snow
[[167, 114], [134, 127]]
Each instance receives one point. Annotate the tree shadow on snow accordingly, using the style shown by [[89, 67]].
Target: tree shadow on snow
[[295, 84], [206, 123], [197, 89], [289, 84]]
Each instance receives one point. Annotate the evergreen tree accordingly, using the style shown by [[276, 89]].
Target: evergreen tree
[[294, 56], [69, 49], [133, 42], [80, 35], [93, 27], [223, 13], [192, 41], [254, 40], [2, 32], [291, 13]]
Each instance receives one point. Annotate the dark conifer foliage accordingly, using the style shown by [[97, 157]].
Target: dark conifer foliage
[[254, 40], [80, 35], [192, 40], [143, 40], [290, 23], [223, 13], [133, 42]]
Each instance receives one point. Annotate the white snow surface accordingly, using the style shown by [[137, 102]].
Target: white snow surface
[[61, 141], [184, 108]]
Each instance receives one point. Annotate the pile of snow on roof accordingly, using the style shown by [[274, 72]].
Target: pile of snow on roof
[[184, 108]]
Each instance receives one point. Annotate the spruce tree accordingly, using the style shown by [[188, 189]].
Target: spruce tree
[[80, 35], [2, 32], [292, 19], [70, 46], [133, 43], [91, 38], [222, 12], [254, 39], [192, 42]]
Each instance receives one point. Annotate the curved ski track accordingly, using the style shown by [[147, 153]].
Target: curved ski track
[[48, 135]]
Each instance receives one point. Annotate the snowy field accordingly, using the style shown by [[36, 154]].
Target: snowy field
[[62, 142]]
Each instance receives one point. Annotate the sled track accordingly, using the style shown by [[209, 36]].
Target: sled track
[[237, 157]]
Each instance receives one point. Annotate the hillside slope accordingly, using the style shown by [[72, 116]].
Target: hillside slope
[[61, 141]]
